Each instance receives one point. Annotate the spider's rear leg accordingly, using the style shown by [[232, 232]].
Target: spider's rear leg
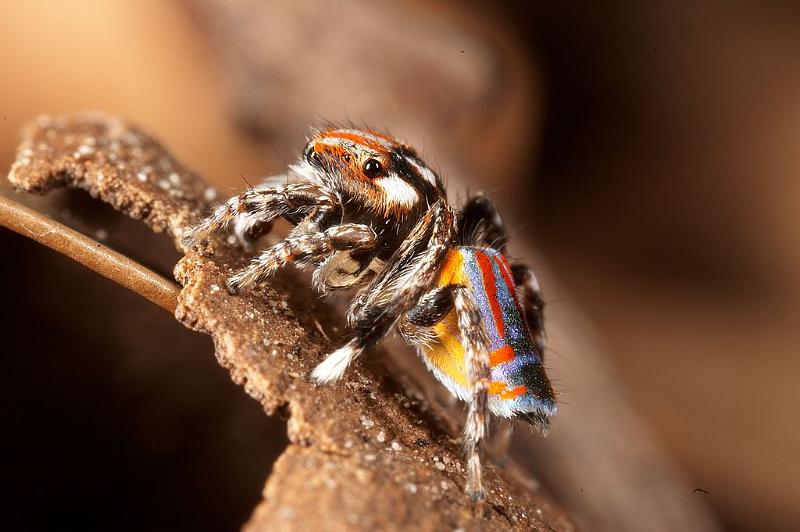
[[263, 204], [304, 249], [476, 360], [481, 224], [532, 302], [432, 309]]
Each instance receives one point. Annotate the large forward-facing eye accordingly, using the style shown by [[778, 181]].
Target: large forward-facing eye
[[372, 168]]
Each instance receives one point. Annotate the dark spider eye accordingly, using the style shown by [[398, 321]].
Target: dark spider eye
[[372, 168], [346, 158], [310, 154]]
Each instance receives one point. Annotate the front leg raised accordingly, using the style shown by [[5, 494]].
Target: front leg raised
[[294, 201], [304, 249]]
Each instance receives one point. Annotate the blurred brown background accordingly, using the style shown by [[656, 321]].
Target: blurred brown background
[[647, 152]]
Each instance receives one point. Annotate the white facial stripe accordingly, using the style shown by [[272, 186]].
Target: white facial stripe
[[397, 190], [336, 141], [424, 171], [369, 136]]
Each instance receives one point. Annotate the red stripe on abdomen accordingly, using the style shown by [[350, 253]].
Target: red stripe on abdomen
[[490, 287]]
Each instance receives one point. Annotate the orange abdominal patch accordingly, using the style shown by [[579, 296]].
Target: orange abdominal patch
[[496, 387], [453, 269], [502, 355], [499, 388], [513, 392]]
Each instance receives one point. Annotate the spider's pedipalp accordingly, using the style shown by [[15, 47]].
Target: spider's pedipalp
[[342, 271]]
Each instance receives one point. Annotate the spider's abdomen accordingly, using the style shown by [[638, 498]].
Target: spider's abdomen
[[519, 385]]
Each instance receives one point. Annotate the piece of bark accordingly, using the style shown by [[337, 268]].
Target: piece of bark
[[113, 161], [366, 452]]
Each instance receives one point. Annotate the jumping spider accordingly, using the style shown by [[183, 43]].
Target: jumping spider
[[370, 214]]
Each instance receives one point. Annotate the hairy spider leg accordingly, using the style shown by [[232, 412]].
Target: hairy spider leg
[[294, 202], [303, 249]]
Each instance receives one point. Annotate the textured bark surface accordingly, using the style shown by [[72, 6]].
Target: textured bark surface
[[367, 452], [112, 161]]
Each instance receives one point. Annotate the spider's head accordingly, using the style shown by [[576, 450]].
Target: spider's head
[[374, 170]]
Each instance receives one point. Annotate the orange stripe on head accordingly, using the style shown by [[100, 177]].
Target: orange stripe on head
[[501, 356], [354, 137], [337, 151], [337, 155]]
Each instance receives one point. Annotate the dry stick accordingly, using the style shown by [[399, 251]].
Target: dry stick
[[90, 253]]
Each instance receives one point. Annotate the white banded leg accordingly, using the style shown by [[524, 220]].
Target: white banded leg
[[476, 359], [302, 249], [260, 205]]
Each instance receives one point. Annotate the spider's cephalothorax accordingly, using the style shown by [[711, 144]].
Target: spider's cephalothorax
[[369, 214]]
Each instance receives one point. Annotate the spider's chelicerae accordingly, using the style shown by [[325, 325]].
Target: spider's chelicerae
[[368, 213]]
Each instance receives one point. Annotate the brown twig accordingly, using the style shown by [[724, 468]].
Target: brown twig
[[90, 253]]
